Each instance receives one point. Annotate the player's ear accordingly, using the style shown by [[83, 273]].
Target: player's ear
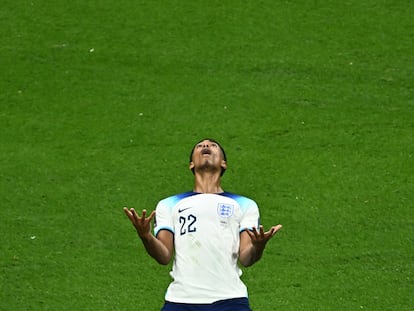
[[223, 164], [191, 166]]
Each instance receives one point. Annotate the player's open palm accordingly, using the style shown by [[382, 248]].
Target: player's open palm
[[141, 223], [259, 237]]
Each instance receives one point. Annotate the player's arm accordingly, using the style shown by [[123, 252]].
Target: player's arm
[[253, 243], [160, 247]]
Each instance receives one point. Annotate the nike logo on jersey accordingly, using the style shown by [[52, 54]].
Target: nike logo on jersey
[[180, 210]]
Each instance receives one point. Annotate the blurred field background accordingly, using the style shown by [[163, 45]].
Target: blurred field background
[[101, 102]]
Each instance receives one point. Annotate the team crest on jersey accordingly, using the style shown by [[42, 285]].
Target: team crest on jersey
[[225, 210]]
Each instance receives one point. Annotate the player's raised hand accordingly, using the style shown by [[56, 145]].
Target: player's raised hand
[[259, 237], [141, 223]]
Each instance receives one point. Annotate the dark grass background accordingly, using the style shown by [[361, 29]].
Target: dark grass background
[[101, 102]]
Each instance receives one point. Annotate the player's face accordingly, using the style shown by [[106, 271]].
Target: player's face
[[208, 155]]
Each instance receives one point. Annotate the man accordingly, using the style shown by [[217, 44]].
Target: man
[[209, 231]]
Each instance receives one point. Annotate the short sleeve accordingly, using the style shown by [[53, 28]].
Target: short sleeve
[[250, 215], [163, 217]]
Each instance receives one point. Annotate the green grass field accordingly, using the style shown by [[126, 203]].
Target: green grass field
[[101, 102]]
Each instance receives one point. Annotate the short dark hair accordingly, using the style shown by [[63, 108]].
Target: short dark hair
[[213, 141]]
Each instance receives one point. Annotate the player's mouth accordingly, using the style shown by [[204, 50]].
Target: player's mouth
[[205, 151]]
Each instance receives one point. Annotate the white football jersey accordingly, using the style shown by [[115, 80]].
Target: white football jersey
[[206, 230]]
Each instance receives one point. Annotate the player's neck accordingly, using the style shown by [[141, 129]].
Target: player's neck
[[207, 183]]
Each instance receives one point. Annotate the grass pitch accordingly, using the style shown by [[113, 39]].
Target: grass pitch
[[102, 101]]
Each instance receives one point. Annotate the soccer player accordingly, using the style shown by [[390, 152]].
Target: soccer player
[[208, 232]]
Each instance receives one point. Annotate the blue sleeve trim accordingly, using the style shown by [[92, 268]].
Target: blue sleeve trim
[[163, 228], [245, 229]]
